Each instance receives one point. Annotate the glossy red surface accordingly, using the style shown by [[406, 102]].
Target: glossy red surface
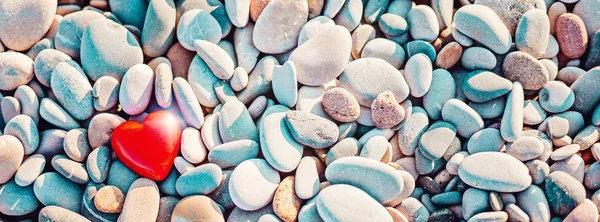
[[148, 148]]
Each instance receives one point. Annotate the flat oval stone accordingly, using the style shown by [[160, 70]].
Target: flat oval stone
[[136, 89], [385, 49], [323, 57], [22, 32], [159, 25], [306, 184], [29, 102], [572, 35], [369, 175], [11, 157], [478, 58], [503, 173], [277, 143], [246, 52], [511, 125], [483, 24], [56, 213], [202, 80], [423, 23], [585, 98], [190, 21], [235, 122], [141, 202], [196, 207], [482, 86], [434, 143], [16, 200], [413, 209], [525, 148], [192, 147], [76, 145], [410, 133], [10, 107], [466, 120], [70, 169], [393, 25], [109, 199], [201, 180], [114, 45], [72, 90], [24, 129], [533, 202], [210, 131], [564, 192], [233, 153], [218, 60], [341, 105], [510, 12], [98, 164], [259, 191], [190, 109], [441, 90], [344, 202], [418, 74], [101, 127], [53, 189], [531, 35], [356, 75], [16, 69], [449, 55], [277, 33], [106, 93], [285, 84], [311, 130], [556, 97], [120, 176], [45, 63], [522, 67], [344, 148], [31, 168], [485, 140], [71, 29], [286, 204]]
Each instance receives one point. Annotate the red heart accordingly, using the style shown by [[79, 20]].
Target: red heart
[[149, 148]]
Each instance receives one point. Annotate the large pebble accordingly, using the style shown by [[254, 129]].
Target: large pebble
[[285, 84], [188, 32], [25, 22], [15, 69], [56, 213], [112, 44], [11, 156], [482, 86], [511, 125], [72, 90], [220, 63], [24, 129], [410, 133], [106, 93], [323, 57], [277, 144], [441, 90], [101, 127], [533, 202], [192, 147], [45, 63], [141, 202], [385, 49], [483, 24], [585, 97], [434, 143], [350, 14], [277, 33], [395, 25], [418, 74], [485, 140], [466, 120], [98, 164], [286, 204], [311, 130], [201, 180], [564, 192], [259, 81], [16, 200], [511, 11], [572, 35], [556, 97], [188, 103], [197, 207], [502, 172], [53, 189], [379, 180], [246, 52], [341, 105], [235, 122], [70, 169], [136, 89], [423, 23], [523, 67], [31, 168], [525, 148], [259, 192], [347, 203], [478, 58], [159, 27], [357, 74], [71, 29], [531, 35], [233, 153]]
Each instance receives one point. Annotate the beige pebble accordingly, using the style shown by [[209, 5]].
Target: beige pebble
[[109, 199], [522, 67], [555, 10], [449, 55], [361, 35], [286, 203], [341, 105], [197, 208], [386, 112]]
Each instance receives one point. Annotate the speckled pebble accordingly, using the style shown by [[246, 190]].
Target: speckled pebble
[[341, 105]]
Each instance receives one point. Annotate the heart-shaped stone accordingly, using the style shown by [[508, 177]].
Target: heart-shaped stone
[[148, 148]]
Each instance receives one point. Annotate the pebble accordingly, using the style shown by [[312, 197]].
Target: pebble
[[525, 148], [533, 113], [119, 51], [260, 192], [564, 192], [70, 169], [98, 164], [377, 148], [10, 107], [483, 86], [76, 145], [572, 35], [163, 91], [45, 62], [413, 210], [56, 213], [350, 14], [512, 119], [504, 174], [449, 55], [285, 84], [106, 93], [136, 89], [410, 133], [423, 23], [379, 174], [344, 202], [165, 209], [239, 80], [586, 211], [233, 153], [355, 80], [584, 98], [522, 67], [158, 30], [197, 207], [593, 58], [311, 130], [419, 46], [341, 105], [323, 57], [392, 25], [120, 176], [11, 153], [218, 60], [531, 35], [259, 81], [109, 199], [31, 168], [70, 30], [51, 142], [28, 101], [142, 201], [247, 54], [384, 49], [434, 143], [21, 32], [16, 69], [72, 90], [286, 204], [192, 21], [53, 189], [276, 33], [101, 127], [466, 120], [16, 200], [573, 165], [440, 91], [201, 180], [556, 97], [386, 111], [232, 119], [418, 74], [190, 110], [474, 58], [277, 144], [483, 25], [24, 129]]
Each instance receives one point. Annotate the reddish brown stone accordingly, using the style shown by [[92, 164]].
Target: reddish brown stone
[[256, 8], [386, 112], [449, 55], [571, 35], [181, 59]]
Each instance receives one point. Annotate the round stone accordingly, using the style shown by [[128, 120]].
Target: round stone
[[31, 168], [482, 24], [16, 69], [503, 173], [386, 112], [418, 74], [466, 120], [478, 58], [531, 35], [25, 22], [341, 105], [197, 24], [109, 199], [286, 203], [197, 207], [522, 67], [259, 193]]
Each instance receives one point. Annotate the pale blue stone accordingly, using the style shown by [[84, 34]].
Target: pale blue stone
[[120, 176], [24, 128], [475, 201], [436, 140], [54, 114], [259, 193], [53, 189], [98, 164], [419, 46], [490, 109], [511, 125], [235, 123], [277, 144], [131, 12], [70, 30], [400, 7], [168, 185], [534, 202], [482, 86], [483, 25], [410, 134], [159, 27], [70, 169], [485, 140], [466, 120], [45, 63], [374, 9], [285, 84], [309, 211], [418, 73], [393, 25], [195, 25], [188, 104], [441, 90], [503, 173], [350, 14], [202, 81], [17, 200], [218, 59], [201, 180], [478, 58], [73, 90], [233, 153]]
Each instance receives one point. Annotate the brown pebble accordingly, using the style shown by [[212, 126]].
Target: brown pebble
[[315, 7], [571, 35], [109, 199], [396, 215], [341, 105], [181, 59], [555, 10], [522, 67], [197, 208], [386, 112], [286, 203], [322, 155], [449, 55], [256, 8]]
